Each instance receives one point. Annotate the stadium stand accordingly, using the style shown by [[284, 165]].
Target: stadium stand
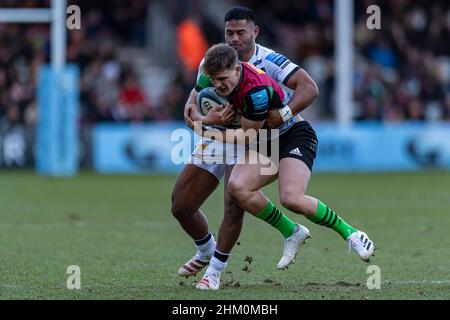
[[402, 71]]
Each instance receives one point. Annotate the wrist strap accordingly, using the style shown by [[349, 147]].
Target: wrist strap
[[286, 113]]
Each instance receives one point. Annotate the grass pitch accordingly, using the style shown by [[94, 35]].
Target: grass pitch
[[120, 232]]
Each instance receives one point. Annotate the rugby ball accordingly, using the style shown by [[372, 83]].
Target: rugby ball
[[207, 99]]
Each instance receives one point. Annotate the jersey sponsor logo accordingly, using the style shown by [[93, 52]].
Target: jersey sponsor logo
[[257, 63], [278, 59], [260, 100]]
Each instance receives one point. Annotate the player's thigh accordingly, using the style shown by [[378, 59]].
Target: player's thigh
[[193, 186], [293, 177], [250, 175]]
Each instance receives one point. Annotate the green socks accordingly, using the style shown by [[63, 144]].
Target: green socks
[[277, 219], [324, 216], [328, 218]]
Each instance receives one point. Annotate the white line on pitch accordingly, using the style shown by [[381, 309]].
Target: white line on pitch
[[418, 282]]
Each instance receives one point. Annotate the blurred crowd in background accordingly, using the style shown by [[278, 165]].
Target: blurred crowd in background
[[402, 72], [109, 88]]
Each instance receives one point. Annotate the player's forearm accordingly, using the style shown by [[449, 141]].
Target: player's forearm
[[195, 114], [303, 97], [191, 113], [192, 99], [305, 91]]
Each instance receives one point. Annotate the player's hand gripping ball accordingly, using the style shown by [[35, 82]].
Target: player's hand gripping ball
[[208, 98]]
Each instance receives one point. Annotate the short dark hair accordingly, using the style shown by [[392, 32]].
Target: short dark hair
[[218, 58], [240, 13]]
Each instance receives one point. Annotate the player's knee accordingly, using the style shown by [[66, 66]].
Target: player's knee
[[288, 200], [178, 209], [237, 191], [293, 202]]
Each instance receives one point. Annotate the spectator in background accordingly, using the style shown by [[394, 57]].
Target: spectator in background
[[399, 69], [407, 60], [302, 30], [133, 104], [25, 47], [196, 31], [191, 45], [447, 107], [410, 53], [176, 97]]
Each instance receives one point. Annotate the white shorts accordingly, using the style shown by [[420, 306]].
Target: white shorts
[[215, 157]]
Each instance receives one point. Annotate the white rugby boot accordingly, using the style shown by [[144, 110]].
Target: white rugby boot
[[360, 242], [210, 281], [194, 265], [292, 244]]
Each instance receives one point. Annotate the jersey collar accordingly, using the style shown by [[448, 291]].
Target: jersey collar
[[255, 54]]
